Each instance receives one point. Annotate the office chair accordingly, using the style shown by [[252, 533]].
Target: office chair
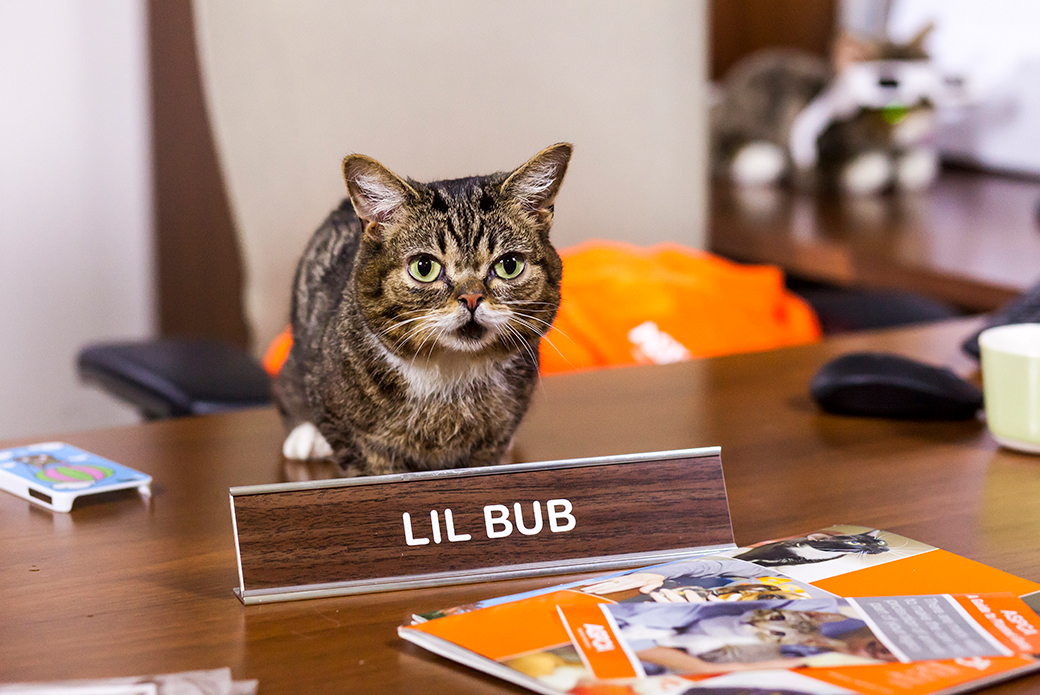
[[175, 377]]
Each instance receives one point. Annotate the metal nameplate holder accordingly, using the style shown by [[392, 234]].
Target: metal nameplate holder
[[359, 535]]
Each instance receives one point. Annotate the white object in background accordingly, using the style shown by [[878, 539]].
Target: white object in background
[[874, 84], [993, 46]]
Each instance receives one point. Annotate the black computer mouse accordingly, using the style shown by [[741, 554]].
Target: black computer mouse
[[879, 384]]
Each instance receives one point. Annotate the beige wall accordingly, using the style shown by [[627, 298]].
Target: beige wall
[[452, 88]]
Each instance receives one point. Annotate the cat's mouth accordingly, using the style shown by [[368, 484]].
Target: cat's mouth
[[471, 330]]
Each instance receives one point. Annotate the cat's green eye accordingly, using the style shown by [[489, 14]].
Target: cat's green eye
[[509, 266], [424, 268]]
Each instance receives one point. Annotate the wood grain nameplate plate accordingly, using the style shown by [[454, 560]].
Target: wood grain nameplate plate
[[358, 535]]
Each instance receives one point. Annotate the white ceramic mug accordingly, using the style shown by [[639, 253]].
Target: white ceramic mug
[[1011, 384]]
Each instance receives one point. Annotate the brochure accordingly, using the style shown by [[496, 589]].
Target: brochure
[[843, 610]]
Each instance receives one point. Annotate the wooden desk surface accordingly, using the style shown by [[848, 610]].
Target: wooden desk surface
[[973, 240], [124, 587]]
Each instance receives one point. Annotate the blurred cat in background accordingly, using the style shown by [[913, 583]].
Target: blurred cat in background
[[862, 123]]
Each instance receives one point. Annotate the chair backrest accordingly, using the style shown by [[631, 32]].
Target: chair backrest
[[449, 89]]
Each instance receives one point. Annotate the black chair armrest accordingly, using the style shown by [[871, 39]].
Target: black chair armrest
[[176, 377]]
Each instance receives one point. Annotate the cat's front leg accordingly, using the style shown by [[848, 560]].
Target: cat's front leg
[[917, 169], [758, 163], [867, 173], [308, 456], [306, 443]]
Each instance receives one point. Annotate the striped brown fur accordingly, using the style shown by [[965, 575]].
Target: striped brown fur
[[401, 366]]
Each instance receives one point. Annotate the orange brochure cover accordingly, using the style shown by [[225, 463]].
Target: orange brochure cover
[[842, 610]]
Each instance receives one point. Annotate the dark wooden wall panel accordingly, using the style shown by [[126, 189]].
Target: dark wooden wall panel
[[740, 27], [198, 263]]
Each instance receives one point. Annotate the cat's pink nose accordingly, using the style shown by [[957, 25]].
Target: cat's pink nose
[[471, 300]]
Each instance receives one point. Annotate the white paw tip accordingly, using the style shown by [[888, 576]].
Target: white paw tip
[[917, 170], [758, 163], [866, 174], [306, 443]]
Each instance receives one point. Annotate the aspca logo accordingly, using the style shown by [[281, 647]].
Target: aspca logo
[[598, 637], [651, 345], [975, 662]]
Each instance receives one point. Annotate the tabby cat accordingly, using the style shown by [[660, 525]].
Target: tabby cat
[[417, 314]]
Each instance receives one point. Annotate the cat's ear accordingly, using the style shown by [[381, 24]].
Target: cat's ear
[[917, 42], [377, 193], [849, 49], [535, 184]]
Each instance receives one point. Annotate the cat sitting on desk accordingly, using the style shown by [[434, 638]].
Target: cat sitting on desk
[[417, 313]]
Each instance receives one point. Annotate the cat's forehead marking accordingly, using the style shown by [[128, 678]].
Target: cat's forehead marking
[[464, 219]]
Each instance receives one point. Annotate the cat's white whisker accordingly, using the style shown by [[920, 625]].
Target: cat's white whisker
[[418, 351], [523, 318], [412, 332], [548, 325], [398, 325], [518, 340], [560, 352]]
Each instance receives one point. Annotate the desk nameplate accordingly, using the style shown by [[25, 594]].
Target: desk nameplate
[[358, 535]]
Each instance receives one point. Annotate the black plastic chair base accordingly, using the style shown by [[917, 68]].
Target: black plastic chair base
[[177, 376]]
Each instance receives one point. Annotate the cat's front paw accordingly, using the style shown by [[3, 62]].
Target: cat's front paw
[[917, 169], [306, 443], [758, 163], [867, 173]]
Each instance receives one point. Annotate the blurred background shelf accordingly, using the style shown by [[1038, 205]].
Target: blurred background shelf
[[972, 242]]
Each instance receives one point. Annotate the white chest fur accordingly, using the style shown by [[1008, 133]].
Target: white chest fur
[[447, 376]]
